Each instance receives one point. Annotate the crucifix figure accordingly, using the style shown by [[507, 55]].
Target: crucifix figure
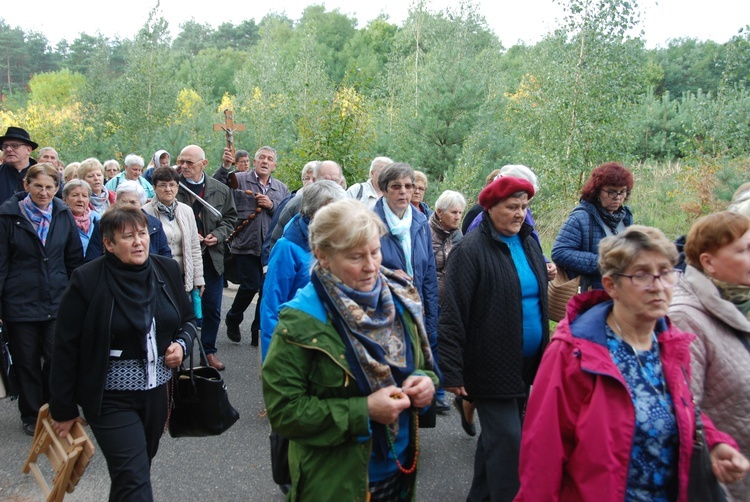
[[229, 127]]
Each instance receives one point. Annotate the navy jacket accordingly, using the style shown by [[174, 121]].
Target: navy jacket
[[158, 245], [423, 263], [576, 247], [33, 277], [11, 181]]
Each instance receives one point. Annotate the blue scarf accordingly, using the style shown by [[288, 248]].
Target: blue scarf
[[40, 218], [401, 228]]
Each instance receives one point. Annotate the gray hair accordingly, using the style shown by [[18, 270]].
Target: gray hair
[[267, 149], [130, 186], [450, 198], [379, 162], [309, 168], [240, 154], [521, 171], [316, 169], [47, 149], [75, 183], [111, 162], [318, 195], [617, 252], [133, 159], [392, 172]]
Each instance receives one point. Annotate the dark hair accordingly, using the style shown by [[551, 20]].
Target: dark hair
[[164, 174], [611, 173], [119, 218], [42, 168], [392, 172], [240, 153]]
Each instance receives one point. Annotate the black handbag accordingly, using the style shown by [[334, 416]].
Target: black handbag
[[702, 484], [7, 372], [200, 404], [280, 459]]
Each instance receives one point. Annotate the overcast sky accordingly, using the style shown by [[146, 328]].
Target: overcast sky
[[512, 20]]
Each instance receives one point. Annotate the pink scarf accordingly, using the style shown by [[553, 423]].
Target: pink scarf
[[84, 221]]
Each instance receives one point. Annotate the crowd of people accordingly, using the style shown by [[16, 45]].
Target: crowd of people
[[372, 308]]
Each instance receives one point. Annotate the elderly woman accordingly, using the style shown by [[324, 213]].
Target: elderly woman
[[131, 193], [178, 222], [417, 198], [712, 302], [494, 328], [133, 170], [39, 249], [601, 213], [407, 246], [92, 172], [611, 416], [77, 194], [111, 169], [445, 231], [125, 323], [349, 366], [291, 257]]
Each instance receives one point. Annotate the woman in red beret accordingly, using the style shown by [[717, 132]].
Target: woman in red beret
[[493, 328]]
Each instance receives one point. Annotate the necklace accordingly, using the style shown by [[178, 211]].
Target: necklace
[[416, 447], [661, 393]]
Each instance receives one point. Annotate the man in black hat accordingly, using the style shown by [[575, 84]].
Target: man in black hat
[[16, 146]]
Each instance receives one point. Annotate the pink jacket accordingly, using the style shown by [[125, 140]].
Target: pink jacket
[[578, 431]]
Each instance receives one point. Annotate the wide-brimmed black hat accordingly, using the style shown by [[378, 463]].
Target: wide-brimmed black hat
[[19, 134]]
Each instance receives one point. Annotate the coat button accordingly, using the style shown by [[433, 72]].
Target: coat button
[[315, 340], [285, 331], [342, 356]]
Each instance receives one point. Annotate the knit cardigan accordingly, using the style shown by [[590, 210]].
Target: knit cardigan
[[720, 363], [192, 263]]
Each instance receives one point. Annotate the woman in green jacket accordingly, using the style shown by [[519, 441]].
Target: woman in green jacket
[[350, 367]]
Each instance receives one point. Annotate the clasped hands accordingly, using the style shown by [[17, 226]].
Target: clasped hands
[[386, 404]]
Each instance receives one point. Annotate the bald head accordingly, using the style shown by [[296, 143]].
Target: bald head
[[192, 162], [327, 170]]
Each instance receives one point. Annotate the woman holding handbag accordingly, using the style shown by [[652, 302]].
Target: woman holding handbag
[[349, 366], [125, 322], [712, 301], [611, 415]]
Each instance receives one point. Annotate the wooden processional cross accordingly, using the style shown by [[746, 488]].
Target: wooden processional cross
[[229, 127]]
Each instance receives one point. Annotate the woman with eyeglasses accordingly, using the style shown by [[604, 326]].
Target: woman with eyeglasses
[[417, 197], [611, 414], [407, 246], [601, 213], [713, 301]]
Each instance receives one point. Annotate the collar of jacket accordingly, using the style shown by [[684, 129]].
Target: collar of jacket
[[487, 227]]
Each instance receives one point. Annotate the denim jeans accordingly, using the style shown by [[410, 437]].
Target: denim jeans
[[212, 295]]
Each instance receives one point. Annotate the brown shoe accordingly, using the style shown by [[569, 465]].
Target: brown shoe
[[214, 362]]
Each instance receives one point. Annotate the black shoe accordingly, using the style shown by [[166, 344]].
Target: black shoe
[[29, 429], [233, 332], [441, 406], [285, 488], [469, 428], [254, 338]]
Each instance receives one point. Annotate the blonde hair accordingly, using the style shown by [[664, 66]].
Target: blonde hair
[[420, 176], [89, 165], [343, 225], [617, 252], [71, 171]]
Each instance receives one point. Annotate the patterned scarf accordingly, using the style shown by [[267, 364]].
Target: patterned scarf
[[40, 218], [84, 221], [167, 210], [735, 294], [100, 202], [378, 349], [401, 228], [612, 220]]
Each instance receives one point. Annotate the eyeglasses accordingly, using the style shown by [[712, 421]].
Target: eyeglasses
[[614, 194], [644, 280], [418, 188], [163, 186], [13, 146], [398, 186], [188, 163]]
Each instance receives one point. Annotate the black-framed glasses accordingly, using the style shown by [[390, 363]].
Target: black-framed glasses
[[614, 194], [12, 146], [644, 280]]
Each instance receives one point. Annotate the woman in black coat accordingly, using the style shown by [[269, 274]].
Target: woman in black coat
[[125, 323], [39, 249]]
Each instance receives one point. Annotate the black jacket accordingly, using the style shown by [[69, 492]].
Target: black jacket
[[480, 332], [82, 334], [11, 181], [33, 277]]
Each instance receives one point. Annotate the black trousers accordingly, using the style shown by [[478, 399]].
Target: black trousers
[[128, 430], [250, 271], [498, 450], [31, 346]]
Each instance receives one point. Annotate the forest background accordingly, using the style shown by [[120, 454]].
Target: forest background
[[439, 91]]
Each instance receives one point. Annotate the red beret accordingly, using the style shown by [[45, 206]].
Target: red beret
[[502, 188]]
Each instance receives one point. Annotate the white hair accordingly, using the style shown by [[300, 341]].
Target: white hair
[[521, 171], [449, 199]]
